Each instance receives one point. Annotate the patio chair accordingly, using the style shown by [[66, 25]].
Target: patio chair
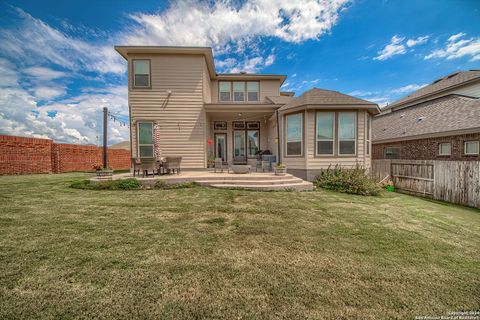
[[143, 165], [172, 164], [218, 165]]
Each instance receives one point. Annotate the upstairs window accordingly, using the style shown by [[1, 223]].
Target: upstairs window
[[325, 133], [392, 152], [347, 130], [444, 149], [141, 73], [294, 134], [253, 90], [471, 147], [239, 91], [225, 91], [145, 139]]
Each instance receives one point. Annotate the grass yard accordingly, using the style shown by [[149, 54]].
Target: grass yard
[[204, 253]]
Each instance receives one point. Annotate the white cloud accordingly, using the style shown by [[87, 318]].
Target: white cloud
[[393, 48], [456, 36], [73, 120], [457, 47], [225, 23], [408, 88], [418, 41], [398, 46], [48, 93], [34, 41], [43, 73]]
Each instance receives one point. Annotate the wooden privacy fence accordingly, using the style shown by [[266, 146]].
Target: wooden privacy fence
[[452, 181]]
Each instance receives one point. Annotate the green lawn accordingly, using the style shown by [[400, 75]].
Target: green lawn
[[205, 253]]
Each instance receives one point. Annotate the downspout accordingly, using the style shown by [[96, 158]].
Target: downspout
[[279, 151]]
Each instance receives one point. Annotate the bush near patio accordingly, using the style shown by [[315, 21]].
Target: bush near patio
[[205, 253], [353, 181]]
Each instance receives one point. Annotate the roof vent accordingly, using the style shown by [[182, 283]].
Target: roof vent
[[420, 119], [402, 115], [452, 75]]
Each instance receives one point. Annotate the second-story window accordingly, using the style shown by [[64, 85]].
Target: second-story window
[[225, 91], [252, 91], [239, 91], [141, 73]]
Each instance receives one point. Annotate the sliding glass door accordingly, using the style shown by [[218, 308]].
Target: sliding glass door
[[239, 146], [221, 146]]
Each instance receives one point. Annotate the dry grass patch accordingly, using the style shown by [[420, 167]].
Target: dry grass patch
[[201, 253]]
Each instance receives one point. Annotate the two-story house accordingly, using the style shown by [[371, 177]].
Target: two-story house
[[180, 106], [440, 121]]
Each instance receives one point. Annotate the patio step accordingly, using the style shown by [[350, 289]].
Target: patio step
[[297, 186], [258, 181]]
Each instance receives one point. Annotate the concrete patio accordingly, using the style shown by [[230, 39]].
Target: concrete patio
[[265, 181]]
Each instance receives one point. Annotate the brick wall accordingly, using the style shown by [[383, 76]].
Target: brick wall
[[25, 155], [427, 149], [19, 155]]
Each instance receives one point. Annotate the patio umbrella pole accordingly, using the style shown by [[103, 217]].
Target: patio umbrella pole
[[105, 114], [278, 138]]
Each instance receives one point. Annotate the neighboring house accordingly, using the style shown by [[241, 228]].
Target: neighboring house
[[440, 121], [179, 106]]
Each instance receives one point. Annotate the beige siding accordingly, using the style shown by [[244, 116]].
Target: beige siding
[[269, 88], [181, 120]]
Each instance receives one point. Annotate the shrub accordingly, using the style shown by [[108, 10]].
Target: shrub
[[353, 181], [129, 184], [126, 184], [160, 184]]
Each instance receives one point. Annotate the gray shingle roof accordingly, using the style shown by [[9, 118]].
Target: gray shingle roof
[[451, 80], [318, 96], [280, 99], [448, 113]]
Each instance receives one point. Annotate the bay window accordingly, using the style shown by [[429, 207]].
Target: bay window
[[294, 134], [347, 130], [145, 139], [325, 134]]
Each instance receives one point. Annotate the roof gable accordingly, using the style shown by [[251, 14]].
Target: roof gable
[[444, 114], [325, 97], [449, 81]]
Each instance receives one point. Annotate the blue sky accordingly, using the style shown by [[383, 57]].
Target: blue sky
[[58, 67]]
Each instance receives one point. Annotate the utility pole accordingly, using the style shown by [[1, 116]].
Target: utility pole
[[105, 122]]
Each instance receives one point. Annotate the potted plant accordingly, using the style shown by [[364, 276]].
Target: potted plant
[[211, 161], [280, 169], [103, 173]]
